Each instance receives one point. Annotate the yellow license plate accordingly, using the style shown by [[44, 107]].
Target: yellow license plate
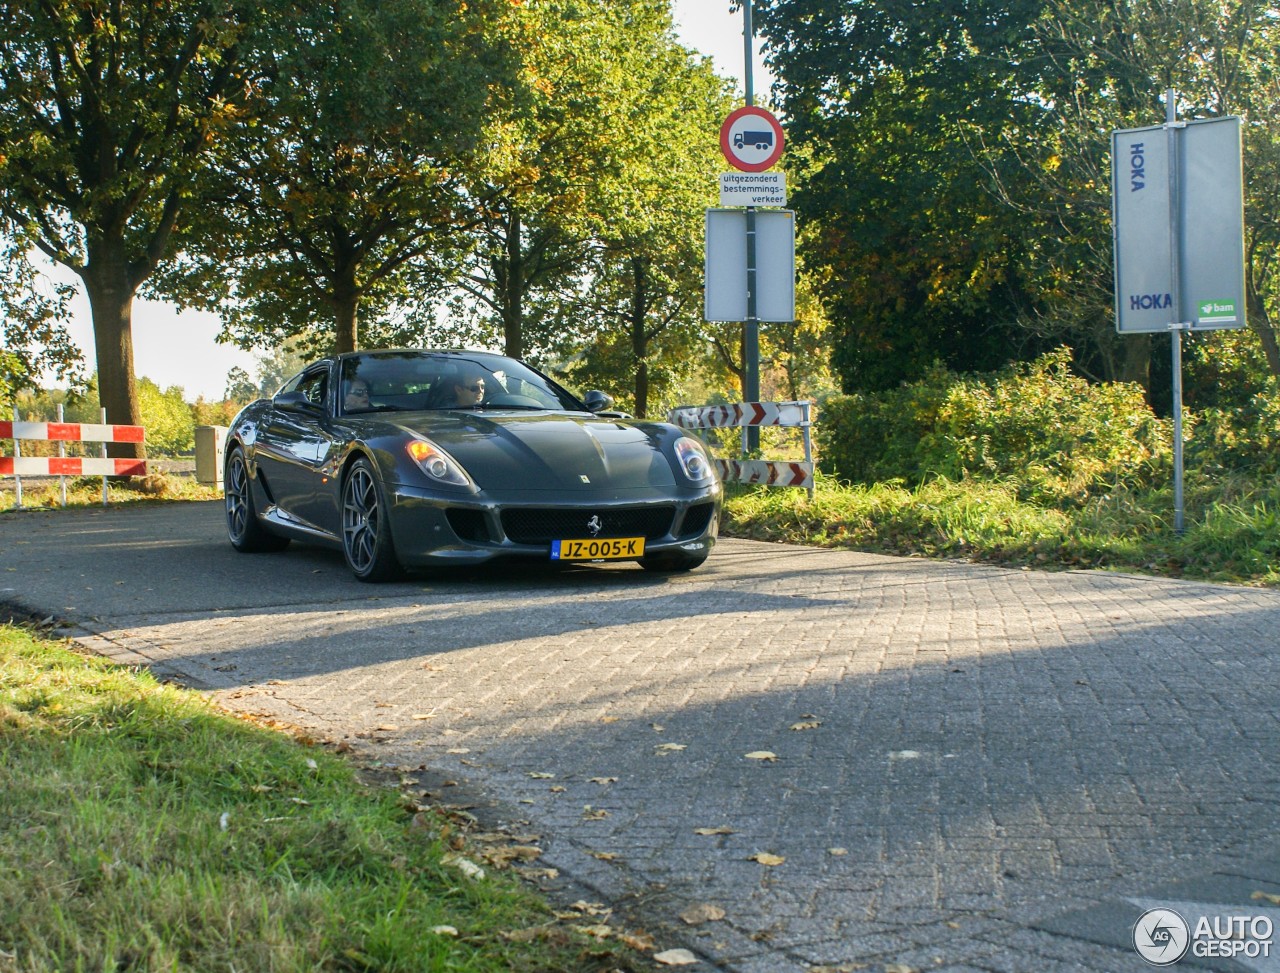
[[598, 549]]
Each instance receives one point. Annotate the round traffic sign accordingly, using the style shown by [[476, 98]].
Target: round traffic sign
[[751, 139]]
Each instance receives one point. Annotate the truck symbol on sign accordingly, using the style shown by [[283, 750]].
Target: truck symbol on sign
[[761, 140]]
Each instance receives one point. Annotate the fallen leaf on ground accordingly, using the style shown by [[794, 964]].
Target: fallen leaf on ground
[[838, 852], [545, 874], [1266, 897], [539, 775], [458, 750], [720, 830], [604, 856], [807, 725], [696, 915], [662, 748], [766, 755], [610, 719], [444, 930], [765, 858], [675, 957], [637, 940], [899, 968], [590, 813], [604, 780]]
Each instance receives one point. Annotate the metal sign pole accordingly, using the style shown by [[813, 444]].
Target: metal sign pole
[[751, 328], [1177, 325]]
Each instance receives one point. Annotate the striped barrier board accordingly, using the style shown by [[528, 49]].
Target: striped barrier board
[[741, 414], [72, 432], [19, 466], [769, 472], [70, 466]]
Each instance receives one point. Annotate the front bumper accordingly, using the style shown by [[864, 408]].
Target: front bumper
[[430, 530]]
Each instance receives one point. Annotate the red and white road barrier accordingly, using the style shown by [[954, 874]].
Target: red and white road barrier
[[768, 472], [70, 466], [743, 414], [87, 432], [19, 466]]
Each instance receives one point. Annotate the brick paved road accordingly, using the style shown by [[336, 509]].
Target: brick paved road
[[976, 768]]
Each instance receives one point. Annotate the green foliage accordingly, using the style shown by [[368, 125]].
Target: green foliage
[[1037, 425]]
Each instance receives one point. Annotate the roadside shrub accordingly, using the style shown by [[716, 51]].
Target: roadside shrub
[[1037, 425], [1240, 439]]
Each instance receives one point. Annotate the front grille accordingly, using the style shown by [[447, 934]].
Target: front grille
[[543, 525], [696, 519], [469, 525]]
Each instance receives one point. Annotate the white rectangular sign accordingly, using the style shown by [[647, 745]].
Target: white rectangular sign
[[1191, 210], [726, 265], [753, 189]]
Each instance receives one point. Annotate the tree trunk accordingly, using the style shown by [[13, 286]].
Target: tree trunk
[[513, 293], [1136, 366], [1260, 322], [346, 315], [107, 281], [639, 339]]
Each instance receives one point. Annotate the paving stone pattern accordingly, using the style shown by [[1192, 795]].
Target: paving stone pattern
[[976, 768]]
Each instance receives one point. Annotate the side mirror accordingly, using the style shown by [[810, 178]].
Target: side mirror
[[294, 402], [597, 401]]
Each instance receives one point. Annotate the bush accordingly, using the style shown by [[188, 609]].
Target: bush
[[1058, 437], [1239, 439]]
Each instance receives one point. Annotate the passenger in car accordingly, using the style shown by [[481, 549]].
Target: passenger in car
[[357, 397]]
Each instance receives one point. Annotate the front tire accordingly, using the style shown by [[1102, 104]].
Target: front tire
[[366, 526], [244, 530]]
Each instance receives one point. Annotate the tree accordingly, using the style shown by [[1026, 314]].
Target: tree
[[1102, 66], [108, 114], [373, 112], [645, 290], [955, 160], [917, 261], [596, 102]]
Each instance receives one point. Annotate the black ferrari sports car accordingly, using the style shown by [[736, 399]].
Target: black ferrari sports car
[[419, 459]]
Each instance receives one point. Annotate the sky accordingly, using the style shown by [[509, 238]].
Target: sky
[[181, 349]]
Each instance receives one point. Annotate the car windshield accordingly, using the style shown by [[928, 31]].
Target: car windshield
[[411, 381]]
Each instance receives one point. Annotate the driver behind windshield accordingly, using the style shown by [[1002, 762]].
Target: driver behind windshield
[[468, 389]]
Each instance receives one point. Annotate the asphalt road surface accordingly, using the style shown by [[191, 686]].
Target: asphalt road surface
[[973, 768]]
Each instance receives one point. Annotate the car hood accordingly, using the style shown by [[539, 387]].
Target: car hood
[[547, 451]]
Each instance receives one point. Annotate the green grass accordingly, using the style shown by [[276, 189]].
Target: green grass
[[1232, 526], [142, 829]]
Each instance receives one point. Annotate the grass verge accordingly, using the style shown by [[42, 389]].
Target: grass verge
[[145, 830], [86, 491], [1232, 526]]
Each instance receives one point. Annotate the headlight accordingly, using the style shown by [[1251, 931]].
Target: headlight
[[693, 459], [436, 463]]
